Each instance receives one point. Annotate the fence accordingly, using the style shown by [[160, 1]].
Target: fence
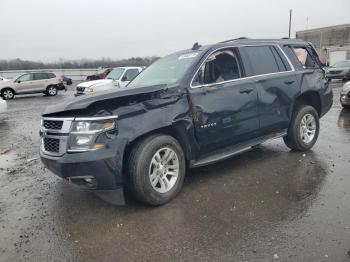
[[74, 74]]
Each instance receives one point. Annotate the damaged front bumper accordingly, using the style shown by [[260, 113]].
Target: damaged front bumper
[[99, 171]]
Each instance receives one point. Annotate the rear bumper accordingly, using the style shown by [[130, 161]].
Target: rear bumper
[[99, 171]]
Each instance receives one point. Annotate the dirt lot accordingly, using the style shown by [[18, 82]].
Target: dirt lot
[[269, 204]]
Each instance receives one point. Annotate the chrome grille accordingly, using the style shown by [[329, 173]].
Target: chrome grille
[[54, 135], [52, 144], [53, 124]]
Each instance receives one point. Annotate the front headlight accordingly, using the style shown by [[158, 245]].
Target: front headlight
[[84, 133]]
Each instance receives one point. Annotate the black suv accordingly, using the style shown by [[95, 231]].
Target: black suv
[[188, 109]]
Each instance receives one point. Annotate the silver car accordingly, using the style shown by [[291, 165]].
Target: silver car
[[340, 70], [40, 82]]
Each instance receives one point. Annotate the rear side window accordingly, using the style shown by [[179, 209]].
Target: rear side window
[[51, 75], [40, 76], [304, 57], [264, 60]]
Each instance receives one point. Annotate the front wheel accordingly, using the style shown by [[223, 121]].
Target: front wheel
[[7, 94], [51, 90], [156, 169], [304, 129]]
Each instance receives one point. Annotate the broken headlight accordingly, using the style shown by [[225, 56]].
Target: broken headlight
[[84, 132]]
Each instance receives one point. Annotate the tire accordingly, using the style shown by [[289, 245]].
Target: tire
[[296, 138], [143, 166], [7, 93], [51, 90]]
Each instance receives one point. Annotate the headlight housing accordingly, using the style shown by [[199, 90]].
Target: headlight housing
[[90, 89], [85, 131]]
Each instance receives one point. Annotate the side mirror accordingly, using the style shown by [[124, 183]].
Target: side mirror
[[18, 81], [124, 78]]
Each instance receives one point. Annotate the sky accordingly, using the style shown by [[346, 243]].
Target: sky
[[49, 30]]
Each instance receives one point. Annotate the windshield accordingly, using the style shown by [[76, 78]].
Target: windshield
[[342, 64], [116, 73], [168, 70]]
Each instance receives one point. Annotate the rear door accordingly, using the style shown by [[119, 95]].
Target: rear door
[[40, 81], [276, 84], [224, 103]]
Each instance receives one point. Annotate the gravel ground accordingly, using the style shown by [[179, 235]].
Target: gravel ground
[[269, 204]]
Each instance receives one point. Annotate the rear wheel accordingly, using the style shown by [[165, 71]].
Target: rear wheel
[[7, 93], [157, 169], [304, 129], [51, 90]]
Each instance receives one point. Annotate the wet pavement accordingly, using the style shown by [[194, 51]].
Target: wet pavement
[[269, 204]]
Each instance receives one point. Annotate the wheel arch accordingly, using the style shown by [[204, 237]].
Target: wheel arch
[[311, 98], [8, 87], [178, 130]]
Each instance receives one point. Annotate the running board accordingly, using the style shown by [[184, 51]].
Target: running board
[[234, 150]]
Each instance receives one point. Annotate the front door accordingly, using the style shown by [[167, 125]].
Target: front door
[[224, 104], [24, 83]]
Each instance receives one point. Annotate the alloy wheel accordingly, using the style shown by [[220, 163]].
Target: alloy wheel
[[164, 170], [307, 128]]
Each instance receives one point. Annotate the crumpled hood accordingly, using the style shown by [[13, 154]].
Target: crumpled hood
[[95, 83], [84, 101]]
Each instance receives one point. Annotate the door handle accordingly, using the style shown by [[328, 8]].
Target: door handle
[[289, 82], [246, 90]]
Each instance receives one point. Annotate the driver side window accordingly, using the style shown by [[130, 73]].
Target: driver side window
[[24, 78], [219, 67]]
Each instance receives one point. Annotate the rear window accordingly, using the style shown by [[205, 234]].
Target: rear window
[[264, 60]]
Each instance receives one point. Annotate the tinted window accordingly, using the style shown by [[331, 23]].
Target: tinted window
[[281, 65], [262, 60], [40, 76], [219, 67], [130, 74], [51, 75]]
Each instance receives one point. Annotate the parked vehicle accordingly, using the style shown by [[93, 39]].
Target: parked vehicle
[[117, 78], [340, 70], [68, 81], [188, 109], [101, 74], [345, 95], [40, 82], [3, 109], [3, 79]]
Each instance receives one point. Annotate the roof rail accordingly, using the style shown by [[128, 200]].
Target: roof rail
[[234, 39]]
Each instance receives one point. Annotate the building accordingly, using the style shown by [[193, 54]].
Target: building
[[332, 43]]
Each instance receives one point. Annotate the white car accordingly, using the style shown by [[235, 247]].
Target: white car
[[3, 109], [3, 79], [119, 77]]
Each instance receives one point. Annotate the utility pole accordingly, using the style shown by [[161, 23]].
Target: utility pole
[[290, 22]]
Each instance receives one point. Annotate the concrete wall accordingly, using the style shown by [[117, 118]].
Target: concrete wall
[[327, 38]]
